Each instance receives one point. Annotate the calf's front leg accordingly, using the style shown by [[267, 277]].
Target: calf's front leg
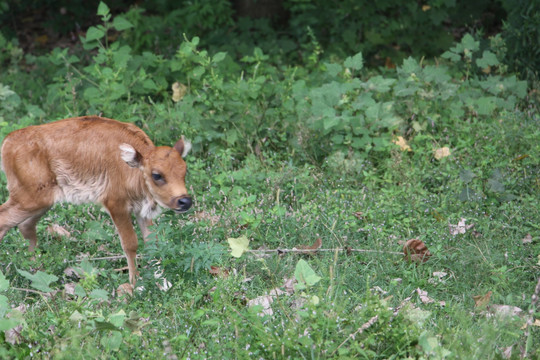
[[122, 220]]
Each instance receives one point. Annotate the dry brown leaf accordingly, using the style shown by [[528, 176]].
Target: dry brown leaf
[[69, 271], [57, 231], [310, 250], [441, 153], [205, 216], [482, 300], [124, 289], [402, 143], [505, 310], [424, 298], [13, 336], [460, 228], [265, 301], [359, 215], [536, 322], [164, 285], [507, 352], [219, 272], [179, 90], [288, 284], [415, 250], [527, 239], [69, 288]]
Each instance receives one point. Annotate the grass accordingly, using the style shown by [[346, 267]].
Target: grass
[[278, 204]]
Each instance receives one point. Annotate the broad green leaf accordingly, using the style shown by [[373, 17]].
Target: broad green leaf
[[466, 176], [219, 57], [118, 318], [93, 33], [77, 316], [104, 326], [120, 23], [355, 62], [330, 122], [99, 294], [197, 72], [495, 185], [451, 56], [488, 59], [238, 245], [79, 291], [40, 280], [485, 105], [4, 283], [469, 43], [112, 341], [7, 324], [103, 9], [305, 275]]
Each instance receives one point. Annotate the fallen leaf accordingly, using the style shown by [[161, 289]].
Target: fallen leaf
[[425, 7], [164, 285], [265, 301], [424, 298], [310, 250], [359, 215], [124, 289], [179, 90], [507, 352], [288, 285], [437, 277], [482, 300], [276, 292], [70, 288], [460, 228], [305, 275], [219, 272], [527, 239], [205, 216], [441, 153], [536, 322], [238, 245], [57, 231], [402, 143], [416, 251], [505, 310], [521, 157], [69, 271]]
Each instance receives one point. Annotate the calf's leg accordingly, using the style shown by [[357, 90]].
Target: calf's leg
[[122, 220], [12, 214]]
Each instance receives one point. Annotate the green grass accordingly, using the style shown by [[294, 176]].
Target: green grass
[[280, 204]]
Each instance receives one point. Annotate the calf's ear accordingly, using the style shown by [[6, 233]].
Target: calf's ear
[[131, 156], [182, 146]]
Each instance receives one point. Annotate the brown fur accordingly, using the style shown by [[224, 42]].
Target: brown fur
[[91, 159]]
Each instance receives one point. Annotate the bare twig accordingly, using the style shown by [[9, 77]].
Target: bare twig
[[360, 330], [32, 291], [255, 251], [294, 250]]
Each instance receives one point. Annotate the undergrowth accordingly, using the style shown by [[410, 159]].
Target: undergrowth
[[355, 159]]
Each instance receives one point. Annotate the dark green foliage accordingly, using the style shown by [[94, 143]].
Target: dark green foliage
[[522, 37]]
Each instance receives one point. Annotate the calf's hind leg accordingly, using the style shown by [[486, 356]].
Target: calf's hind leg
[[12, 214], [28, 228]]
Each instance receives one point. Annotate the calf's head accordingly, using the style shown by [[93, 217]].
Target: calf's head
[[164, 171]]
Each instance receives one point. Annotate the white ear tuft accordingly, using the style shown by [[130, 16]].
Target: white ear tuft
[[187, 147], [129, 155]]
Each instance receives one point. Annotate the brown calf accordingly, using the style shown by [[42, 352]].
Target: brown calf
[[92, 159]]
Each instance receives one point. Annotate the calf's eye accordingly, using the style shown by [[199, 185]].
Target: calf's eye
[[157, 176]]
